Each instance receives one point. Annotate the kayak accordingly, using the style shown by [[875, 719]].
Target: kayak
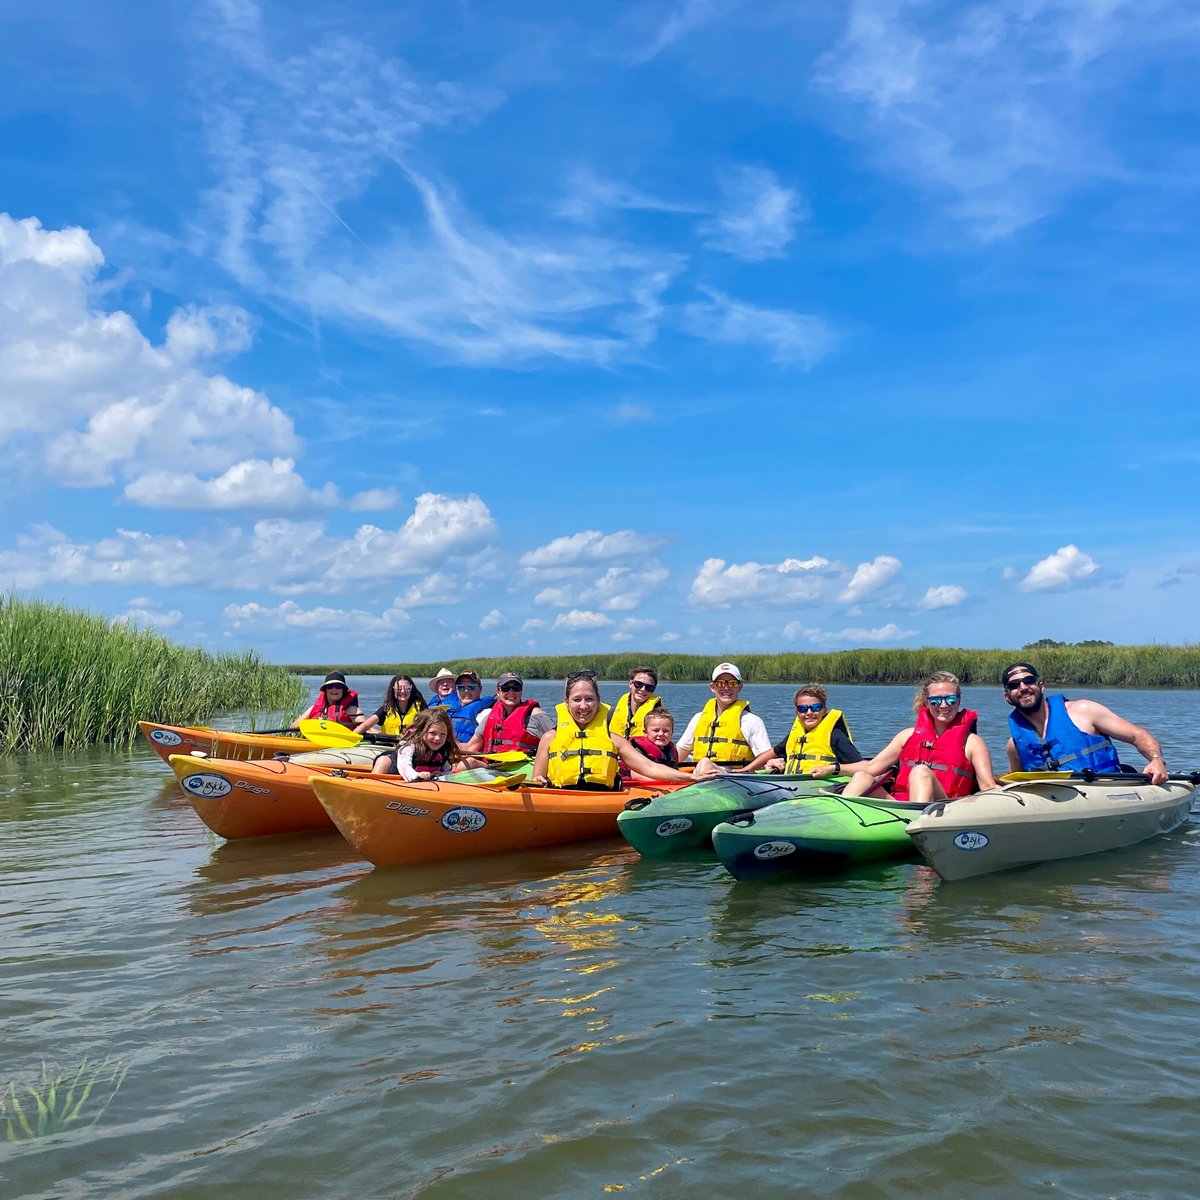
[[394, 823], [216, 743], [1033, 821], [266, 798], [685, 819], [814, 833]]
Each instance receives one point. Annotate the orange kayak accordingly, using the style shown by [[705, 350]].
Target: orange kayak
[[393, 823], [196, 739], [266, 797]]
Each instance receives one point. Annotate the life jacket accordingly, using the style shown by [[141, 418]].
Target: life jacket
[[509, 732], [466, 716], [945, 755], [323, 710], [1065, 745], [582, 756], [668, 755], [424, 759], [395, 722], [813, 748], [723, 742], [621, 722]]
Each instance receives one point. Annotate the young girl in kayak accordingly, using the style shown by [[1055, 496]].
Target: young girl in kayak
[[940, 757], [582, 754], [427, 749], [399, 709]]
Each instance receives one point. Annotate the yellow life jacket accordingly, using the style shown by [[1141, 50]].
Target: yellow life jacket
[[394, 723], [620, 722], [720, 737], [807, 749], [582, 755]]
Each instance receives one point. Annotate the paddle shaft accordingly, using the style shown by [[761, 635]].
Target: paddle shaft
[[1093, 777]]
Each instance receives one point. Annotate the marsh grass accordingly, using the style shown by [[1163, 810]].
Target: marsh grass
[[1101, 665], [59, 1100], [73, 679]]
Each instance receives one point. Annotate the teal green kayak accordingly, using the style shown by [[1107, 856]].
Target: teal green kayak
[[685, 818], [511, 772], [817, 833]]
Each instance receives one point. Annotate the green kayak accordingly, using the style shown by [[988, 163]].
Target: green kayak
[[497, 776], [685, 818], [818, 833]]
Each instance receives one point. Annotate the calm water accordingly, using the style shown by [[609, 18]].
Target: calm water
[[578, 1022]]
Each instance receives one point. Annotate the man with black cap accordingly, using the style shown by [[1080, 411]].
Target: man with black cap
[[1052, 733], [514, 723], [335, 702]]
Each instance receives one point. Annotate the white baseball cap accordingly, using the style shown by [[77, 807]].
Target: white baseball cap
[[727, 669]]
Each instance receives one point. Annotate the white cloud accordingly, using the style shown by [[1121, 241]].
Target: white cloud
[[146, 618], [322, 619], [1067, 566], [624, 414], [493, 620], [578, 619], [554, 597], [890, 632], [870, 577], [435, 590], [757, 218], [249, 485], [532, 624], [789, 337], [945, 595], [776, 585], [591, 546], [683, 18], [992, 105], [285, 556], [374, 500]]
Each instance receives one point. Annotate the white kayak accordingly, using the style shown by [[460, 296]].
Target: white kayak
[[1042, 820]]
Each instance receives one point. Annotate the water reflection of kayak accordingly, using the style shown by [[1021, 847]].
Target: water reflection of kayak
[[685, 819], [812, 834]]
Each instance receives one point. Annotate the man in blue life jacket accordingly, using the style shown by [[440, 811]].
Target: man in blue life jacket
[[467, 705], [1052, 733]]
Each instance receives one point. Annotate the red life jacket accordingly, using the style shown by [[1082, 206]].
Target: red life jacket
[[509, 732], [424, 759], [946, 755], [667, 755], [322, 709]]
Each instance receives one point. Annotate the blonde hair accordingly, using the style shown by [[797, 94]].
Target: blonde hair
[[660, 714], [922, 696]]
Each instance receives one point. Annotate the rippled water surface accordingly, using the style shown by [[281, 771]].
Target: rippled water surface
[[578, 1022]]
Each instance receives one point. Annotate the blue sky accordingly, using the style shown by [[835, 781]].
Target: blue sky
[[388, 330]]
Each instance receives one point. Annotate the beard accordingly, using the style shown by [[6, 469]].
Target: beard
[[1032, 704]]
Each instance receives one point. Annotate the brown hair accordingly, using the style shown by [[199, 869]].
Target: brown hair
[[811, 689], [414, 735], [644, 671]]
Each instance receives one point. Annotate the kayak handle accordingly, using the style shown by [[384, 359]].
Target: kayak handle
[[741, 819], [639, 802]]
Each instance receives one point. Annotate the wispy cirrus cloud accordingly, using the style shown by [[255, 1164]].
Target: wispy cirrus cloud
[[758, 216], [788, 337]]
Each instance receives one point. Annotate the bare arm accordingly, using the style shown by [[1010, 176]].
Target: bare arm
[[367, 723], [1014, 759], [1104, 720], [635, 760], [889, 756], [541, 760], [765, 759], [981, 759]]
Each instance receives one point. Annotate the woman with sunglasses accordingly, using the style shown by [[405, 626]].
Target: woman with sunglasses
[[512, 723], [336, 701], [628, 715], [581, 753], [940, 757], [819, 743], [401, 703]]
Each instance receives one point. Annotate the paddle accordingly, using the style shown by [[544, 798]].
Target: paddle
[[255, 732], [329, 734], [1089, 776]]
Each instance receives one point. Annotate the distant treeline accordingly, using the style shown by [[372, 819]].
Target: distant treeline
[[73, 679], [1098, 664]]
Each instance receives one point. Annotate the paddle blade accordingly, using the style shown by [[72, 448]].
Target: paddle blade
[[505, 756], [1032, 776], [328, 733]]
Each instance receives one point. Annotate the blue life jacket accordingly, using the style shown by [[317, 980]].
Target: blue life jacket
[[1065, 747], [465, 717]]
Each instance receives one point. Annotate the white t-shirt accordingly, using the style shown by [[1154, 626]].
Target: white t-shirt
[[753, 730], [404, 764]]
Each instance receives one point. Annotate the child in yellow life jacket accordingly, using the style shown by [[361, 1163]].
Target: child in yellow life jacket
[[818, 743]]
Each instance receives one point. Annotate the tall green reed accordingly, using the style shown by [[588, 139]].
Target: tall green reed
[[73, 679]]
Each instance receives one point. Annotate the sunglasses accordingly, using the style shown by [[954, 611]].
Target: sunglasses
[[1015, 685], [334, 687], [639, 686], [726, 683], [511, 687], [584, 674], [807, 708], [466, 687], [938, 701]]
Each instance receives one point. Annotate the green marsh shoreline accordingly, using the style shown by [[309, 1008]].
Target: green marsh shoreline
[[1091, 665]]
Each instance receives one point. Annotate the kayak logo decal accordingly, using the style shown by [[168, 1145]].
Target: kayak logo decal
[[464, 820], [164, 737], [407, 809], [674, 827], [250, 787], [769, 850], [206, 784], [972, 839]]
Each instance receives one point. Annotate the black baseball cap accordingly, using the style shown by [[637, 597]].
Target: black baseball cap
[[1019, 668]]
